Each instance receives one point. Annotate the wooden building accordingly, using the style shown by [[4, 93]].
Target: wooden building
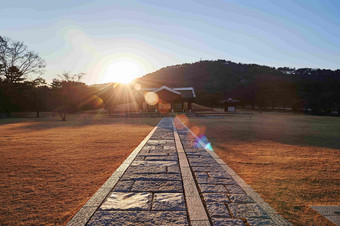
[[165, 99], [230, 105]]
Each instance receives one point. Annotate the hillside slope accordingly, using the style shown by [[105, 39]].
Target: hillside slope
[[253, 84]]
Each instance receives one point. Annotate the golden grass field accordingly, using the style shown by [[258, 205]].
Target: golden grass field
[[50, 168], [291, 160]]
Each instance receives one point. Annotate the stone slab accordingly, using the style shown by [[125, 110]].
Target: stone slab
[[219, 175], [168, 201], [240, 198], [158, 186], [154, 152], [201, 174], [247, 210], [225, 222], [146, 164], [168, 147], [206, 169], [147, 170], [139, 218], [127, 201], [173, 169], [234, 189], [209, 180], [259, 222], [151, 177], [217, 210], [207, 188], [216, 197], [123, 186], [161, 158], [162, 151], [160, 142]]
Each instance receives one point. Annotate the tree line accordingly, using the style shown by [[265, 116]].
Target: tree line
[[262, 87], [66, 94], [259, 86]]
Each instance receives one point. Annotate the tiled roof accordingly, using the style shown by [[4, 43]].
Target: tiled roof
[[186, 92]]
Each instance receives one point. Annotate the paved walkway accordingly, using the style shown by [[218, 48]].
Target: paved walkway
[[170, 179]]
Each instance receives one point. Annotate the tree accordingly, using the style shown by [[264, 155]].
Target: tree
[[69, 93], [38, 92], [17, 61]]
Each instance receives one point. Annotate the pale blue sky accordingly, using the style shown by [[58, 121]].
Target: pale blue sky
[[89, 36]]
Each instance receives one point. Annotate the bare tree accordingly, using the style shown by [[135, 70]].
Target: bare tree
[[16, 61], [68, 90], [67, 77]]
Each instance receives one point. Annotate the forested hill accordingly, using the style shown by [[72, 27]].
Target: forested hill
[[253, 84]]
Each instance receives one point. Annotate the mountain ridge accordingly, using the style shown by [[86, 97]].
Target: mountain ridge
[[253, 84]]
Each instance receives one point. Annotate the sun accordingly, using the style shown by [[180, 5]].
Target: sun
[[123, 71]]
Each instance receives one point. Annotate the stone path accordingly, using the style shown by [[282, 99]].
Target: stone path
[[171, 179]]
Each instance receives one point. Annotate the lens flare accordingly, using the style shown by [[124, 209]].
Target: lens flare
[[151, 98], [197, 138], [209, 147], [138, 86], [195, 130], [200, 140], [198, 131], [203, 141], [184, 119]]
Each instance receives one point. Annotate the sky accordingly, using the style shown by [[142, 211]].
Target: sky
[[114, 40]]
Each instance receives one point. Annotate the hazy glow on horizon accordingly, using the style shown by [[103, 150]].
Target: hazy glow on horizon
[[122, 71], [102, 38]]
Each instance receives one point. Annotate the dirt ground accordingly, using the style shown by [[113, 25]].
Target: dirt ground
[[291, 160], [50, 168]]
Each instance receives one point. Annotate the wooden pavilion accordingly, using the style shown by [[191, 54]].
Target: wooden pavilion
[[166, 99]]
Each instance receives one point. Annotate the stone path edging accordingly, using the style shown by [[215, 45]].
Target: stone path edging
[[86, 212], [196, 211], [329, 212], [276, 218], [171, 178]]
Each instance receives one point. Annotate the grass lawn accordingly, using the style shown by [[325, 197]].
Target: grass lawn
[[50, 168], [291, 160]]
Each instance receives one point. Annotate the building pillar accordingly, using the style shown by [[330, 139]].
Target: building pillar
[[189, 105]]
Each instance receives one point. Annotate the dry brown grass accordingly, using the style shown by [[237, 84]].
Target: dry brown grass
[[49, 168], [200, 108], [292, 161]]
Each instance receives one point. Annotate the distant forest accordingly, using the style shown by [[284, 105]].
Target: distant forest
[[254, 85], [263, 87]]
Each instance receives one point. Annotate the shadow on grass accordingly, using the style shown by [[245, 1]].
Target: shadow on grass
[[306, 138], [317, 131], [50, 121]]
